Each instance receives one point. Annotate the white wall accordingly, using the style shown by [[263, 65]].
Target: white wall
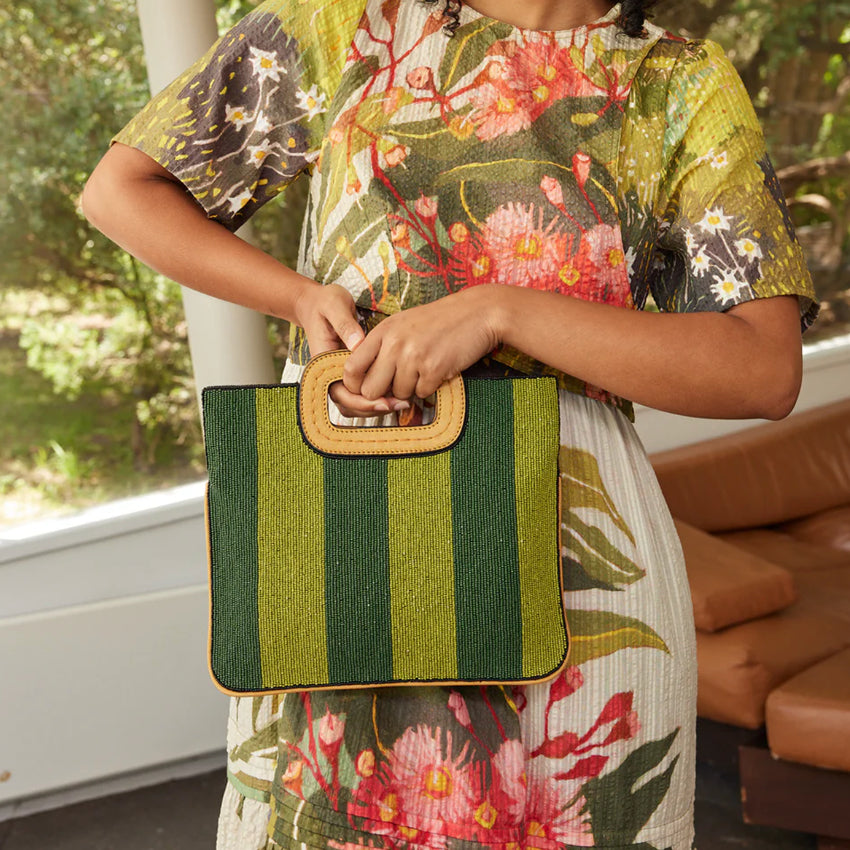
[[103, 630]]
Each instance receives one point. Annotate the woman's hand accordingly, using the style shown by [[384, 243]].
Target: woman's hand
[[413, 352], [329, 318]]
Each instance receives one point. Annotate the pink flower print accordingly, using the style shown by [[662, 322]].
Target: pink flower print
[[608, 261], [519, 86], [538, 803], [396, 155], [458, 232], [331, 730], [457, 706], [553, 819], [552, 190], [418, 788], [567, 682], [426, 208], [292, 778], [544, 69], [365, 764], [510, 780], [400, 234], [581, 755], [499, 110], [393, 99], [525, 252], [469, 261], [421, 78], [581, 168]]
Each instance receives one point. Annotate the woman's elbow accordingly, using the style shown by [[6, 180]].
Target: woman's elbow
[[783, 388], [92, 197]]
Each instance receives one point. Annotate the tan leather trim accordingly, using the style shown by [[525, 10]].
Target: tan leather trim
[[332, 439]]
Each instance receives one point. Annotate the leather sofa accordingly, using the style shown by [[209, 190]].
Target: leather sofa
[[764, 520]]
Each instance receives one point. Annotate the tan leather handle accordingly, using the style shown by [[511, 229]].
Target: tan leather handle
[[325, 437]]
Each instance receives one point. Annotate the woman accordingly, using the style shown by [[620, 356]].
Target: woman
[[501, 185]]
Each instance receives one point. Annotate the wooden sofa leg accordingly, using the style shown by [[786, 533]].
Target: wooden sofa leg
[[795, 796]]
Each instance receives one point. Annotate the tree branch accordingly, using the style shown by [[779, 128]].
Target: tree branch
[[793, 176]]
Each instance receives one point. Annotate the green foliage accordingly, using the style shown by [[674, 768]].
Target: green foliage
[[73, 74]]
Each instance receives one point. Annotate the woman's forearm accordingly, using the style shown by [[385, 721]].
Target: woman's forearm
[[143, 209], [739, 364]]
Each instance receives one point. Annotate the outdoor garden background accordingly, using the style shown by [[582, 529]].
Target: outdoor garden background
[[96, 392]]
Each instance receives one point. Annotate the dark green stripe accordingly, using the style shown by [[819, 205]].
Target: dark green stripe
[[230, 423], [357, 580], [487, 588]]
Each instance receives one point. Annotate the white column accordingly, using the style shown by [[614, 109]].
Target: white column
[[229, 343]]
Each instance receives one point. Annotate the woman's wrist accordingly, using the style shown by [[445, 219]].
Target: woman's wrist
[[302, 291], [489, 302]]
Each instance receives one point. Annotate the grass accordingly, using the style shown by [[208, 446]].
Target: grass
[[58, 456]]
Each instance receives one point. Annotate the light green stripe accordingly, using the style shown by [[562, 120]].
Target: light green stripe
[[422, 568], [536, 451], [247, 790], [296, 529]]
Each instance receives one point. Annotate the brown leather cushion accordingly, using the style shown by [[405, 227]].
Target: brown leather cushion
[[786, 551], [738, 667], [730, 585], [828, 528], [761, 476], [828, 590], [808, 717]]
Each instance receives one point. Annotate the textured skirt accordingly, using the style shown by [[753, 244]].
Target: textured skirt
[[601, 756]]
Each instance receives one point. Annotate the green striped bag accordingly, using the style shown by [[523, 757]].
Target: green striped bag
[[352, 557]]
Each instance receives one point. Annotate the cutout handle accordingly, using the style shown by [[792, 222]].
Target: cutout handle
[[327, 438]]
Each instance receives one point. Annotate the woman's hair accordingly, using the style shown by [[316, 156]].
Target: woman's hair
[[632, 15]]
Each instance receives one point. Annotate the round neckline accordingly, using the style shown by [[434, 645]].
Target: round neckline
[[473, 15]]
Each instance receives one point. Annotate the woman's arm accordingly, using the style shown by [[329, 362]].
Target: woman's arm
[[743, 363], [144, 209]]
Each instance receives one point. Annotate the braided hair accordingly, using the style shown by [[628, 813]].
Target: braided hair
[[632, 15]]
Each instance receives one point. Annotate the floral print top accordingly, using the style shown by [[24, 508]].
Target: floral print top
[[579, 161]]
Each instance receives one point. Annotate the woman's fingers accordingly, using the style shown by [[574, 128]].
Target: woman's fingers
[[360, 361], [353, 405]]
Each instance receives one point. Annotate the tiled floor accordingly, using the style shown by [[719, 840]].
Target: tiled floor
[[181, 815]]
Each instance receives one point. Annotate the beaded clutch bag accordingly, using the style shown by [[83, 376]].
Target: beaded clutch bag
[[359, 557]]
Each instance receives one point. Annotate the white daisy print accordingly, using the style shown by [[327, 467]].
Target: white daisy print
[[728, 288], [258, 153], [262, 124], [714, 221], [720, 161], [265, 64], [631, 258], [700, 262], [239, 201], [239, 116], [749, 249], [690, 240], [312, 102]]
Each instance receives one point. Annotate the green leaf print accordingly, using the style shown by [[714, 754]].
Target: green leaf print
[[513, 170], [595, 556], [616, 806], [642, 846], [467, 51], [340, 248], [594, 634], [583, 487]]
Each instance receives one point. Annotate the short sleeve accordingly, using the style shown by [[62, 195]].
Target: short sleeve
[[725, 235], [238, 126]]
